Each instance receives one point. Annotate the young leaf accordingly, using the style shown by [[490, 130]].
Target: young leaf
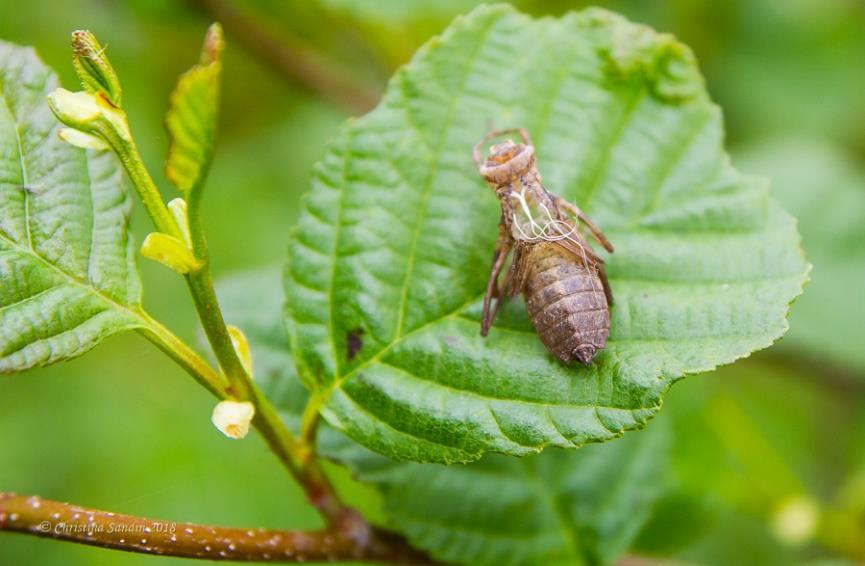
[[191, 118], [93, 68], [557, 507], [67, 261], [389, 260]]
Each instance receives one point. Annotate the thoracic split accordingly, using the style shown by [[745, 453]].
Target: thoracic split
[[561, 277]]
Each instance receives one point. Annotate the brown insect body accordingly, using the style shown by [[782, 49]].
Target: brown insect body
[[562, 279]]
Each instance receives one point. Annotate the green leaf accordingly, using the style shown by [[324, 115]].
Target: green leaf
[[67, 263], [748, 444], [192, 114], [392, 249], [820, 184], [557, 507]]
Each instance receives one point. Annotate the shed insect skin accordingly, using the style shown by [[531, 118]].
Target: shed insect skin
[[566, 290]]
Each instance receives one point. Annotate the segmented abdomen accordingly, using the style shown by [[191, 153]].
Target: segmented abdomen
[[567, 304]]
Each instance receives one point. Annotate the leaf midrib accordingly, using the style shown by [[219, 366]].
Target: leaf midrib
[[25, 178]]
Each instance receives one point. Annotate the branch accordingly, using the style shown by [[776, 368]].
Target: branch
[[63, 521], [292, 57]]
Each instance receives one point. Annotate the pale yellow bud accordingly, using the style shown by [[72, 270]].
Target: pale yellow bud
[[241, 346], [75, 109], [80, 139], [795, 520], [177, 207], [170, 252], [233, 418], [90, 113]]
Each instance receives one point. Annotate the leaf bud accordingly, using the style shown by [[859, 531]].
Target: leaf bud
[[80, 139], [170, 252], [241, 346], [93, 68]]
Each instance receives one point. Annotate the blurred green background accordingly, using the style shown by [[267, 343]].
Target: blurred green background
[[769, 459]]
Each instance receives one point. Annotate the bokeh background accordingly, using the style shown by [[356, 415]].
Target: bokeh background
[[769, 458]]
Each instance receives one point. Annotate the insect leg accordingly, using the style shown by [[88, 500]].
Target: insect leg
[[608, 291], [581, 216], [503, 246]]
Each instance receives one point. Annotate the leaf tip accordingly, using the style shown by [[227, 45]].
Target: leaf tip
[[214, 44]]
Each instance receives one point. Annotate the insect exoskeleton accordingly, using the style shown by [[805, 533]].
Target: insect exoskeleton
[[561, 277], [566, 303]]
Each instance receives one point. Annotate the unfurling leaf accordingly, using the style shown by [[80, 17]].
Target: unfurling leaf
[[191, 118], [67, 262], [390, 257], [557, 507], [170, 252], [93, 68]]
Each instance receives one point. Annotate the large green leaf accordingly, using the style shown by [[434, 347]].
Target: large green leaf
[[820, 184], [556, 507], [393, 246], [67, 270]]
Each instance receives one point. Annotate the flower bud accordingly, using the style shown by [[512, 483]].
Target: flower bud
[[241, 346], [93, 68], [177, 207], [232, 418], [80, 139], [796, 520], [170, 252], [78, 110], [89, 113]]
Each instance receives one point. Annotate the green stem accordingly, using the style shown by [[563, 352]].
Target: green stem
[[204, 295], [127, 152], [299, 460], [297, 457], [200, 282], [185, 357], [309, 424]]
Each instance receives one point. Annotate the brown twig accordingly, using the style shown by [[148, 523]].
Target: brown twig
[[63, 521], [292, 57]]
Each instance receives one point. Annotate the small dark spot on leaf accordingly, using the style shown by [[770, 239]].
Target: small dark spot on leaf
[[354, 342]]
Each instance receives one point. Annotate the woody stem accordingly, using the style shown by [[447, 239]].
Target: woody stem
[[64, 521]]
